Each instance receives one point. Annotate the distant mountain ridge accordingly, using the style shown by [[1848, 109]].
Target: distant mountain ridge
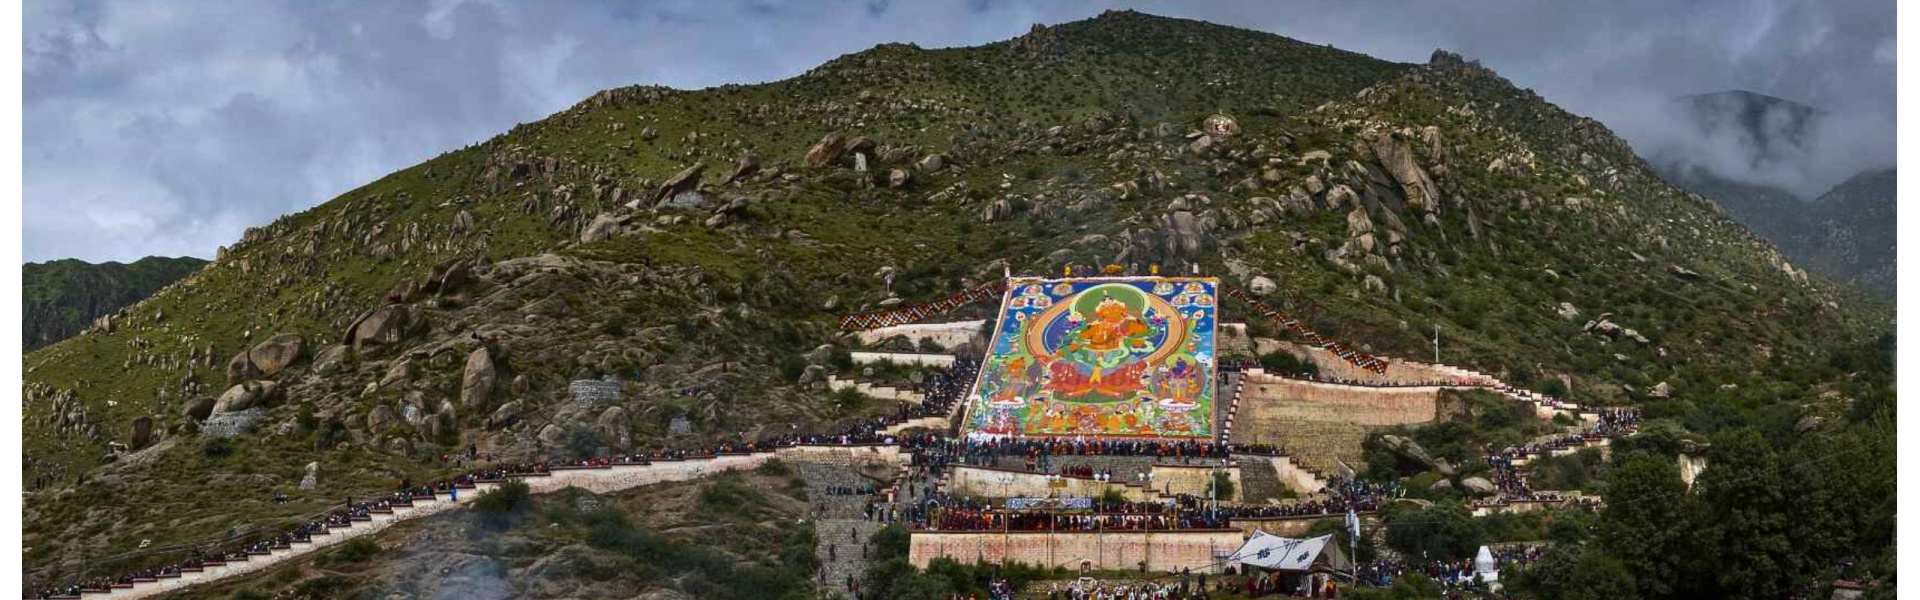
[[61, 297], [1844, 234]]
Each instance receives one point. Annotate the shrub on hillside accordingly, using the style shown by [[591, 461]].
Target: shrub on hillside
[[510, 498]]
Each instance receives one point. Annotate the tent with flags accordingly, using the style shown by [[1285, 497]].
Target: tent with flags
[[1292, 565]]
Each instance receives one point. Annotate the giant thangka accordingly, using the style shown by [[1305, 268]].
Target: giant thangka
[[1115, 357]]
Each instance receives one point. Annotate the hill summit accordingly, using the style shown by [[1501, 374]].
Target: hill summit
[[659, 268]]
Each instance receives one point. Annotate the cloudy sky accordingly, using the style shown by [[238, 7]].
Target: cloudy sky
[[156, 127]]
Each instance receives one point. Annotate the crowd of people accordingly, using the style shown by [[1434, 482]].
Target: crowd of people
[[1088, 588], [920, 507], [1448, 573]]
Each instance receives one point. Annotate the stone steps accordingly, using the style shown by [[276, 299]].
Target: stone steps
[[1259, 481]]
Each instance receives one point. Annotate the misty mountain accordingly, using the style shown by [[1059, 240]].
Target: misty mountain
[[1849, 233], [1770, 129], [1742, 143], [62, 296]]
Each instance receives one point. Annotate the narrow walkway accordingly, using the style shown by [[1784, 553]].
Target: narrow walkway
[[598, 480], [843, 530]]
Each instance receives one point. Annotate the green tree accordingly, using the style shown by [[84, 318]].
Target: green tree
[[1644, 523], [1743, 525], [1444, 531], [1577, 572]]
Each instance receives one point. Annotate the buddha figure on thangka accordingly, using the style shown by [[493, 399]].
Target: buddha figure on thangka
[[1123, 357]]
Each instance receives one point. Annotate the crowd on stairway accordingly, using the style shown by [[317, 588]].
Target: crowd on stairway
[[918, 507], [1617, 421]]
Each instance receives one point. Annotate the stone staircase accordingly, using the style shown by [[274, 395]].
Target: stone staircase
[[842, 529], [1225, 403], [1259, 481]]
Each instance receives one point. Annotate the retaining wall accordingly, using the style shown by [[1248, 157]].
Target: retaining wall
[[990, 482], [947, 335], [903, 358], [1115, 550]]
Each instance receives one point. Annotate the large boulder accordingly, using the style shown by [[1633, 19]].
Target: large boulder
[[615, 429], [240, 368], [1479, 486], [198, 408], [141, 434], [552, 435], [827, 151], [1397, 157], [1184, 235], [505, 416], [476, 384], [1410, 450], [462, 223], [278, 352], [312, 478], [248, 394], [332, 360], [603, 226], [684, 181], [1262, 286], [444, 421], [448, 276], [742, 169], [380, 418], [1661, 390], [388, 324], [399, 373]]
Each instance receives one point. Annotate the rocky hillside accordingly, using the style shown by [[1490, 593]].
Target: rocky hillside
[[741, 535], [63, 297], [1847, 239], [1852, 232], [696, 247]]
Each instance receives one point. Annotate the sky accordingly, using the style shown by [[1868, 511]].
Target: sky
[[167, 128]]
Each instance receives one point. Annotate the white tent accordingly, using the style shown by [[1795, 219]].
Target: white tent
[[1298, 566], [1268, 551]]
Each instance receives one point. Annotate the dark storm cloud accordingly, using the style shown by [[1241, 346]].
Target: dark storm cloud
[[158, 127]]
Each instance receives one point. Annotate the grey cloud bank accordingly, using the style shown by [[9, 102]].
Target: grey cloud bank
[[168, 128]]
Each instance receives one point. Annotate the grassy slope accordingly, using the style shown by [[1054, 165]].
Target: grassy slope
[[1490, 293], [60, 298]]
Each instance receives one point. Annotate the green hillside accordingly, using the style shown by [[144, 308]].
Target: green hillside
[[1382, 198], [63, 297]]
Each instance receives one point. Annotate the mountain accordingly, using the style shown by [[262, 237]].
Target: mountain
[[1768, 129], [62, 297], [697, 246], [1739, 139], [1850, 233]]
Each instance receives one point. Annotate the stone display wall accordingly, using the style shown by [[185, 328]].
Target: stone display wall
[[1193, 480], [902, 358], [1294, 527], [1160, 550], [1358, 405], [947, 335], [1398, 372], [1167, 479], [1322, 425], [998, 483], [593, 391]]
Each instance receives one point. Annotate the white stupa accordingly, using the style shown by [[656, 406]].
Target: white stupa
[[1484, 567]]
